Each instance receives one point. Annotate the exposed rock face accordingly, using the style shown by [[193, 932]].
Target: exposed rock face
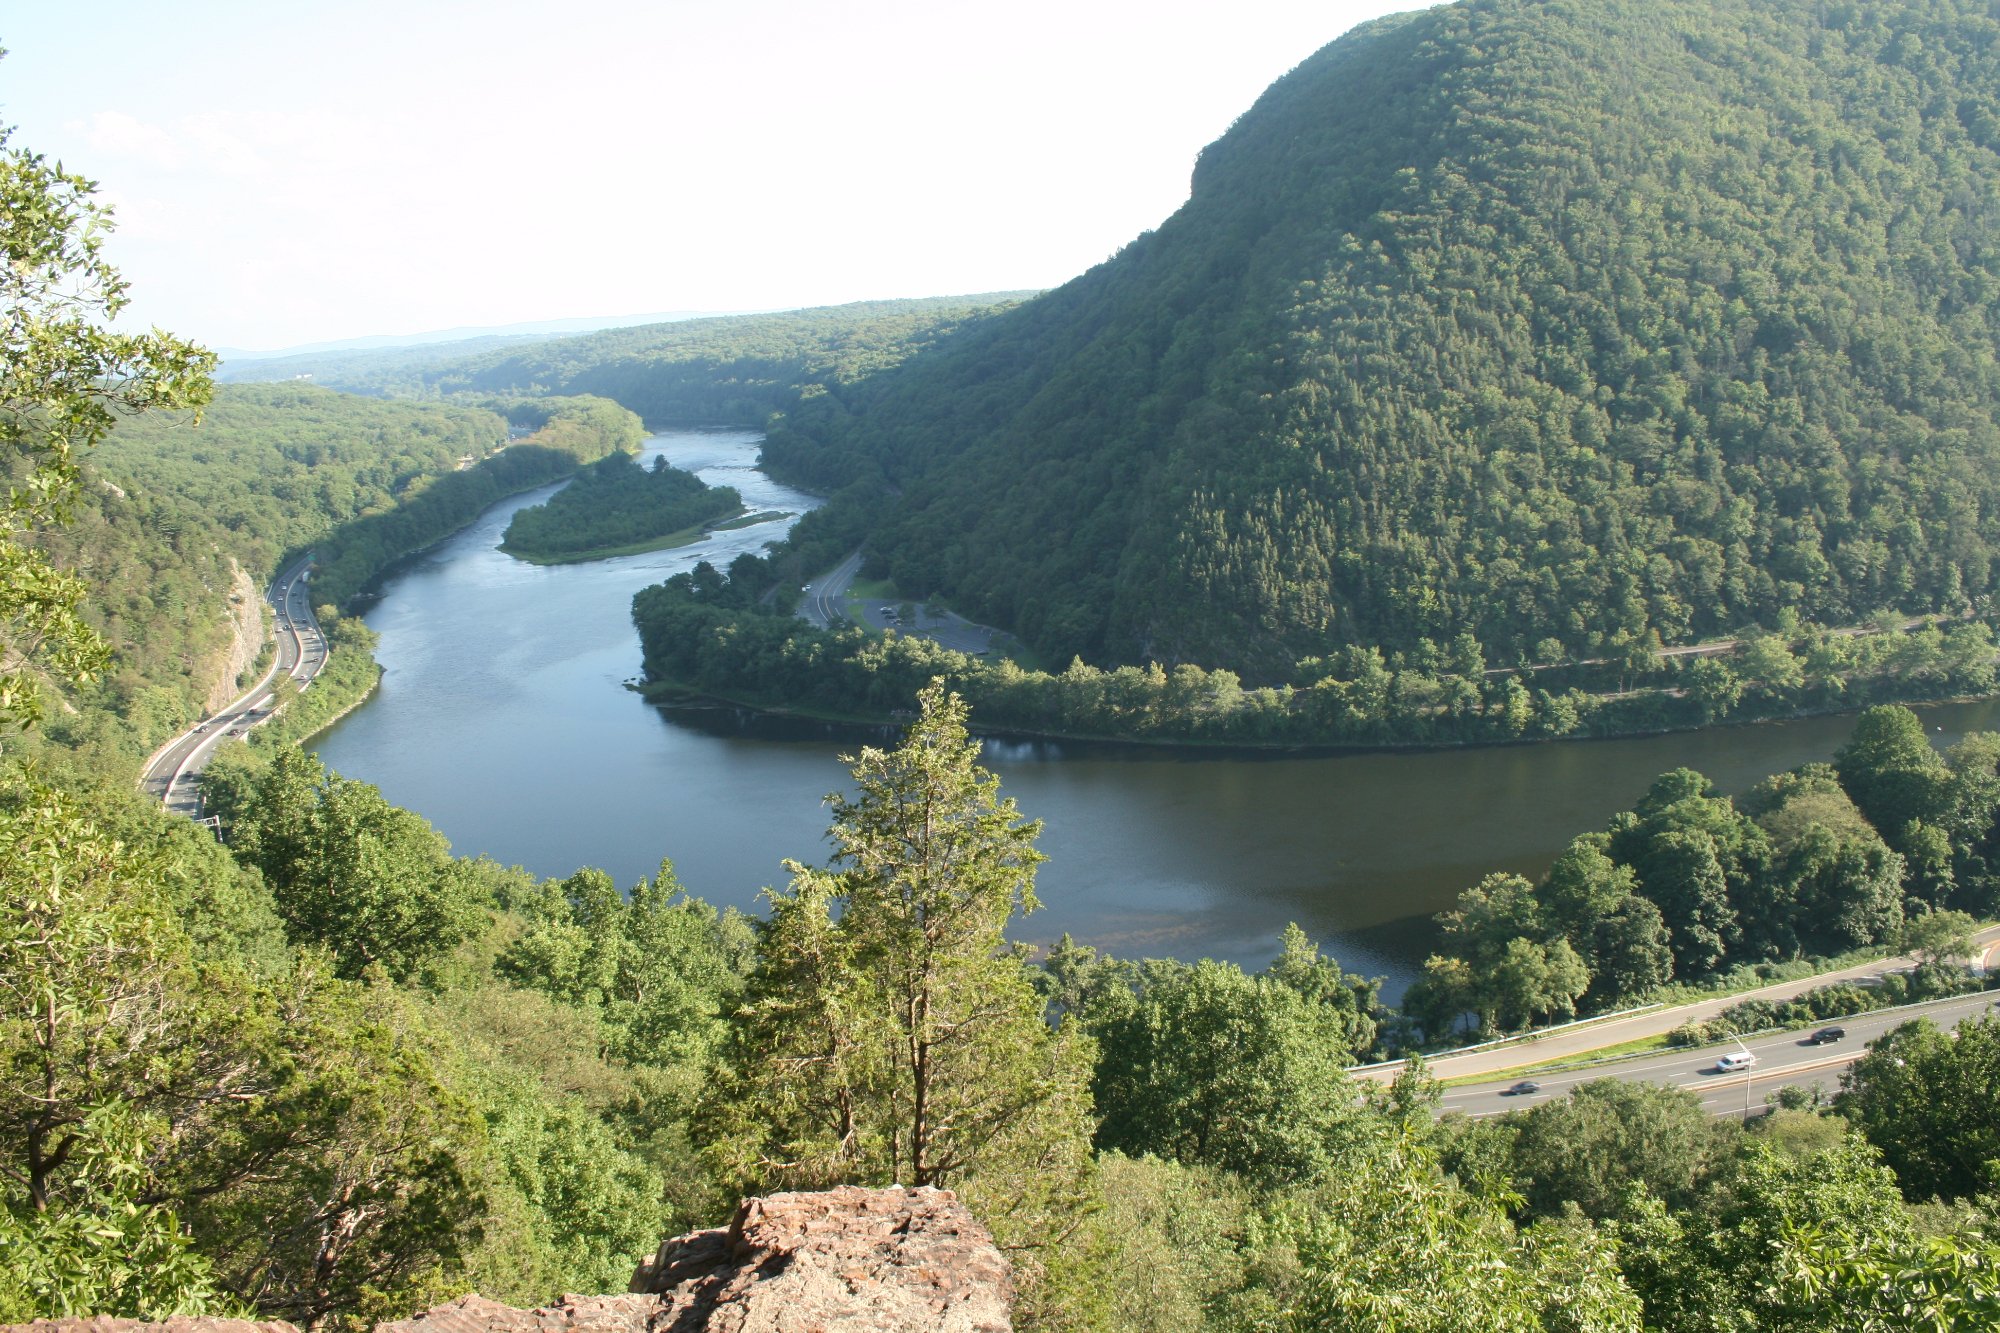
[[842, 1259], [846, 1260], [246, 637]]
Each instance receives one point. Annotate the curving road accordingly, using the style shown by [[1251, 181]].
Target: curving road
[[825, 602], [1783, 1059], [169, 774]]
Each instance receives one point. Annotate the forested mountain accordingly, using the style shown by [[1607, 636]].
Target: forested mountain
[[728, 370], [1585, 320]]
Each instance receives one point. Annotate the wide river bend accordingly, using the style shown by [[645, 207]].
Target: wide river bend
[[503, 718]]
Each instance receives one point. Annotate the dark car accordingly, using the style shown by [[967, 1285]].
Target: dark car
[[1523, 1088], [1825, 1035]]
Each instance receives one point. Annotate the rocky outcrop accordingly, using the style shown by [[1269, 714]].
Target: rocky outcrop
[[842, 1259], [246, 638], [845, 1260]]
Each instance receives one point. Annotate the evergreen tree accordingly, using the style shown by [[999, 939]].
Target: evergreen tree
[[887, 1034]]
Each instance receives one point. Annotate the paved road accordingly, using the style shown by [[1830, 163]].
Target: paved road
[[169, 774], [825, 605], [1782, 1059], [1567, 1042], [825, 602]]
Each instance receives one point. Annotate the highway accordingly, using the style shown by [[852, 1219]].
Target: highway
[[169, 774], [1580, 1039], [1783, 1058], [825, 601]]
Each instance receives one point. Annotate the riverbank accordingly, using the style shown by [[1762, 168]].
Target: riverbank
[[348, 679], [668, 692]]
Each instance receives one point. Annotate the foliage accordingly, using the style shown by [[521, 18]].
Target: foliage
[[1690, 884], [730, 370], [63, 378], [1782, 1242], [657, 969], [1925, 1099], [884, 1036], [616, 503], [1389, 1243], [370, 882], [1592, 1149], [1214, 1068]]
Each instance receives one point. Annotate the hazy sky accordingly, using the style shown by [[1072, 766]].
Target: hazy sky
[[289, 173]]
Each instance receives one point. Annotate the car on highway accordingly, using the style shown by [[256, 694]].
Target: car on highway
[[1732, 1061], [1826, 1035], [1522, 1089]]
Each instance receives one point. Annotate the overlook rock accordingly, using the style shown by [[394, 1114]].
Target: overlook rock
[[838, 1261]]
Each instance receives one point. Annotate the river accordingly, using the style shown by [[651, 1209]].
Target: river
[[503, 718]]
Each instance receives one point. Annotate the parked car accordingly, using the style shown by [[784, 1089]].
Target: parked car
[[1825, 1035]]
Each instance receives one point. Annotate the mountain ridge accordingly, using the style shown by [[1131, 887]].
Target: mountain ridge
[[1583, 322]]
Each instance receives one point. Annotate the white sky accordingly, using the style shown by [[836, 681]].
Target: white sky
[[288, 173]]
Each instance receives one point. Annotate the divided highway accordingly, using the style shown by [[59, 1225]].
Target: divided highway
[[1783, 1059], [169, 774]]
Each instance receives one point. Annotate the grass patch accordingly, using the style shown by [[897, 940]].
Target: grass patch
[[1581, 1060]]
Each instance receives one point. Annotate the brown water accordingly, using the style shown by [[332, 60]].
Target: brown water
[[503, 719]]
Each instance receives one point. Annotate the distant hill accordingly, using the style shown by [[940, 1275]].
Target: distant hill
[[725, 370], [1581, 320], [237, 358]]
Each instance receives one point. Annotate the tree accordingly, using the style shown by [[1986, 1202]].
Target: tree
[[370, 881], [1891, 771], [1590, 1148], [886, 1035], [1216, 1068], [1389, 1242], [1683, 876], [1634, 950], [1529, 981], [1319, 980], [1938, 937], [102, 1037], [1755, 1253], [1925, 1098], [64, 378]]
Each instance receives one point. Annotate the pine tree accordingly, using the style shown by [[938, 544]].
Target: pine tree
[[888, 1035]]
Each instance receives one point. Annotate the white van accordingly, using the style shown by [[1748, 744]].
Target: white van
[[1735, 1060]]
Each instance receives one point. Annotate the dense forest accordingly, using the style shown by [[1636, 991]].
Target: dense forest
[[1583, 322], [726, 371], [615, 505]]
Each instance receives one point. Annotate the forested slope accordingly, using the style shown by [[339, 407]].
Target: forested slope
[[1577, 320], [174, 509]]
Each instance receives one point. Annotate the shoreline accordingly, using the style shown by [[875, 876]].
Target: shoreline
[[666, 693]]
